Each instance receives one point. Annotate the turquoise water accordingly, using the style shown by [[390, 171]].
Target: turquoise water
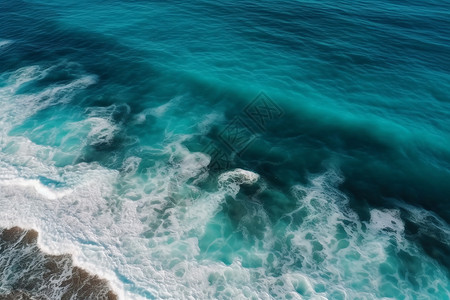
[[219, 150]]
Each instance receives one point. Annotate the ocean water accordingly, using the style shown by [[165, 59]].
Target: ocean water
[[278, 149]]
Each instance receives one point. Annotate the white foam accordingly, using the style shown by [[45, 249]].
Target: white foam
[[386, 219], [167, 264], [27, 202], [193, 164], [428, 222], [208, 121], [37, 186], [146, 225], [343, 254], [131, 165], [15, 108], [102, 131], [158, 111], [5, 43], [231, 180], [162, 109]]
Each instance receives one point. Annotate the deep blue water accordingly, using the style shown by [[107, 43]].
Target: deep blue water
[[232, 150]]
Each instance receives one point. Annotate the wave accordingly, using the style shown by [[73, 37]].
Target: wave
[[163, 226], [5, 43]]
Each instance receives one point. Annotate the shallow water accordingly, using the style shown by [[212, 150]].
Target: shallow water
[[251, 150]]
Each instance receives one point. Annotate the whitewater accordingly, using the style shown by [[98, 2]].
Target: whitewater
[[255, 150]]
